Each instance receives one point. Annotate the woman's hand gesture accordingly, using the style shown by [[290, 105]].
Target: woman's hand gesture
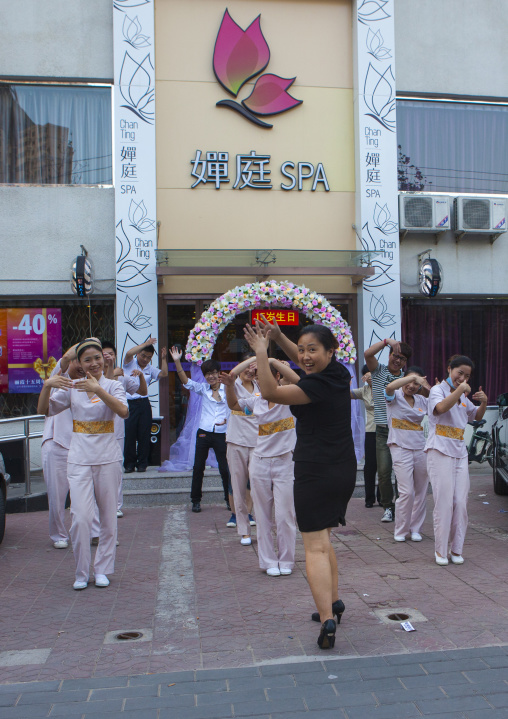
[[58, 381], [257, 339], [480, 396], [90, 384], [269, 327], [464, 388], [175, 353], [227, 379]]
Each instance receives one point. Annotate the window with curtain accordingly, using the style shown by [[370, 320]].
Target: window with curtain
[[452, 146], [436, 330], [53, 134]]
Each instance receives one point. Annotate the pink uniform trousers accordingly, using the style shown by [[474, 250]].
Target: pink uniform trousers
[[87, 484], [271, 482], [449, 477], [54, 466], [238, 462], [410, 467], [96, 521]]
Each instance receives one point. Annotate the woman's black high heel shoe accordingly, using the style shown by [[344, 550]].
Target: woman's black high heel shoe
[[337, 610], [326, 639]]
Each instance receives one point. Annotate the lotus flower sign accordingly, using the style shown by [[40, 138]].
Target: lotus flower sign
[[239, 56]]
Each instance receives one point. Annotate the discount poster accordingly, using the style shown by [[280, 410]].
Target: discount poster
[[34, 345], [4, 387]]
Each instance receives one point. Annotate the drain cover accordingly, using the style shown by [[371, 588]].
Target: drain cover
[[399, 617], [126, 636], [388, 615]]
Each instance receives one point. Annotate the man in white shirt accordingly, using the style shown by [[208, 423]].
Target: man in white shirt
[[212, 425], [137, 426]]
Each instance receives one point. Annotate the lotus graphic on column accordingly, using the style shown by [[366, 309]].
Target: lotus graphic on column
[[239, 56]]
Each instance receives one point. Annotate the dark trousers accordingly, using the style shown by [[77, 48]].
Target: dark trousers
[[137, 434], [205, 441], [370, 468], [384, 466]]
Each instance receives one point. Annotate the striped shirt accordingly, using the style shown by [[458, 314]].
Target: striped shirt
[[380, 378]]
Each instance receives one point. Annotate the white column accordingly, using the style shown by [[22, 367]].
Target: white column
[[134, 176], [376, 168]]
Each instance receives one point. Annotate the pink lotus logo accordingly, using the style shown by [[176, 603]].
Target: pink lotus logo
[[239, 56]]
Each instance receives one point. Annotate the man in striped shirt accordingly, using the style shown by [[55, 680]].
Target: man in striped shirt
[[382, 375]]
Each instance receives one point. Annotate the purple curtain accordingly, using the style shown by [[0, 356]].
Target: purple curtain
[[182, 451], [437, 329]]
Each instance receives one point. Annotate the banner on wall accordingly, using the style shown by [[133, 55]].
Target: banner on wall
[[4, 387], [34, 345]]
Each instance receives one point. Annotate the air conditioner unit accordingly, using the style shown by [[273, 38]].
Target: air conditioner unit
[[424, 213], [480, 215]]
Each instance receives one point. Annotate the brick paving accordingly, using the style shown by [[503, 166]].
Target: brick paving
[[219, 626]]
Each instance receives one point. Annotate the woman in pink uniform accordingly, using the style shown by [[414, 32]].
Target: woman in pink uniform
[[94, 457], [271, 472], [405, 410], [241, 438], [447, 461]]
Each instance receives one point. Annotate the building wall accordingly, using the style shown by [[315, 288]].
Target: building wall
[[319, 130], [42, 230], [452, 47], [457, 47], [57, 38]]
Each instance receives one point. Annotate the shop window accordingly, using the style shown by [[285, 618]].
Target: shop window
[[452, 146], [55, 134]]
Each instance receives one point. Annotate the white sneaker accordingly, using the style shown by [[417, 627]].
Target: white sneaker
[[78, 584], [285, 571], [387, 516], [456, 559], [101, 580], [119, 513], [273, 572], [442, 561], [246, 541], [61, 544], [398, 537], [416, 537]]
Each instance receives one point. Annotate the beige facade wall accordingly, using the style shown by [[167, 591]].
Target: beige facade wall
[[309, 40]]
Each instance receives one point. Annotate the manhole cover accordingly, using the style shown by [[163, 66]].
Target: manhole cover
[[388, 615], [126, 636], [399, 617]]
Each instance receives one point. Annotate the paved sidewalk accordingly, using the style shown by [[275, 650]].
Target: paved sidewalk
[[199, 599], [461, 684]]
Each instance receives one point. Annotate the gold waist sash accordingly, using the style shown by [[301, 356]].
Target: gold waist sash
[[242, 414], [279, 426], [406, 424], [106, 426], [451, 432]]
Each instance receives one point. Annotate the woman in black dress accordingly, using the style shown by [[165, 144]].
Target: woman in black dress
[[324, 456]]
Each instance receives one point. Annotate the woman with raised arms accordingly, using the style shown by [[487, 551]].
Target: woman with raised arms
[[94, 462], [324, 456]]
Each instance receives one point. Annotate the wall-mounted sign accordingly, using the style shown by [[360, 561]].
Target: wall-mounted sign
[[3, 351], [240, 55], [282, 317], [251, 170], [34, 345]]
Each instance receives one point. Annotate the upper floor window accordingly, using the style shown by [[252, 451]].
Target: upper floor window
[[55, 134], [452, 146]]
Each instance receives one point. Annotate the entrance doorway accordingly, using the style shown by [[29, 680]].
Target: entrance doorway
[[177, 317]]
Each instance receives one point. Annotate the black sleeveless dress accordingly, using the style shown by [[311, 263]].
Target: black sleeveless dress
[[324, 456]]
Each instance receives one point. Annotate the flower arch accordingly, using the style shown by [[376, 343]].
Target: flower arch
[[267, 294]]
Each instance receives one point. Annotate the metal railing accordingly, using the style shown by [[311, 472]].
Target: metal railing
[[25, 437]]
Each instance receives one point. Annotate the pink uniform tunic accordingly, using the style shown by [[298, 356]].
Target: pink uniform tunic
[[406, 442], [272, 479], [56, 440], [93, 472], [241, 438], [448, 468]]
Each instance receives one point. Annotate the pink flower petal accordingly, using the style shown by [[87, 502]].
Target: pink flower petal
[[269, 96], [239, 54]]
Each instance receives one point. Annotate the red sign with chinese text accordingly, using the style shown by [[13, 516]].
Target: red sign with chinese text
[[282, 317]]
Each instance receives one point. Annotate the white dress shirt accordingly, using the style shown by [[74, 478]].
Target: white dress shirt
[[212, 412], [151, 375]]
